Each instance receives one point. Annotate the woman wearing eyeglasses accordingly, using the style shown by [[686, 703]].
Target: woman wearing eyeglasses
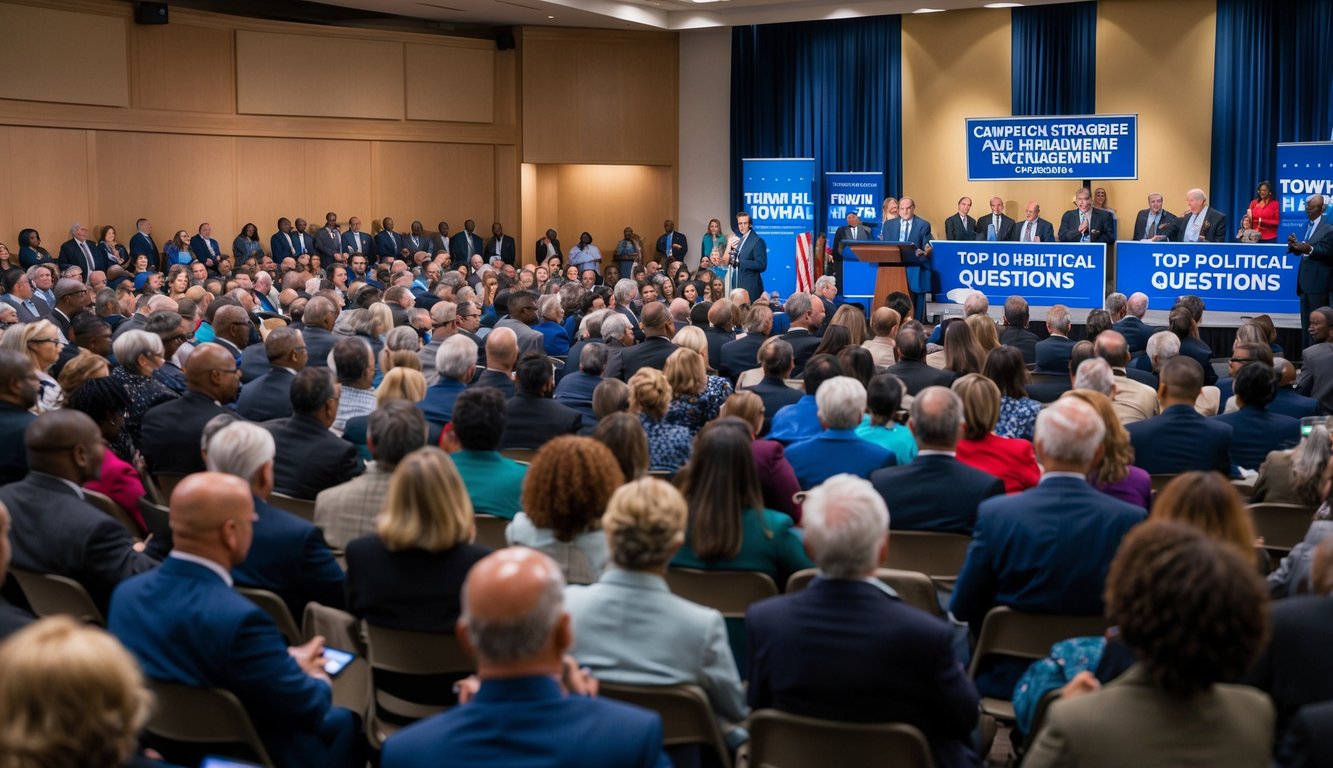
[[40, 342]]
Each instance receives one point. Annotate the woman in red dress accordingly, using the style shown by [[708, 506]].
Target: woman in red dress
[[1009, 458]]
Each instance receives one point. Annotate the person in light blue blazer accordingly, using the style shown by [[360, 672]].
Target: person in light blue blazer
[[531, 705], [840, 404]]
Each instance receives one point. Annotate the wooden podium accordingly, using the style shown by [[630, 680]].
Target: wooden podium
[[891, 260]]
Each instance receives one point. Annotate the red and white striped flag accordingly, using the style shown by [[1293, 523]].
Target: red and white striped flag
[[805, 268]]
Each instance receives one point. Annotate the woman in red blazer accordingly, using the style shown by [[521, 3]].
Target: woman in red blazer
[[777, 479], [1009, 458]]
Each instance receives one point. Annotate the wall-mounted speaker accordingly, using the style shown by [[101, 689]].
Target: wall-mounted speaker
[[504, 41], [150, 13]]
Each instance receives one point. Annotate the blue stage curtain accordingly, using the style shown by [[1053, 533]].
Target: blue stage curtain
[[831, 90], [1054, 59], [1268, 87]]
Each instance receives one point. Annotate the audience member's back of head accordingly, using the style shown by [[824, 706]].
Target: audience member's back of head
[[841, 402], [533, 375], [1095, 374], [1069, 431], [479, 418], [623, 433], [911, 343], [846, 526], [592, 360], [1081, 351], [884, 397], [609, 397], [456, 357], [568, 485], [240, 449], [1016, 312], [312, 389], [393, 430], [1208, 501], [775, 357], [1255, 385], [513, 603], [1182, 378], [720, 483], [819, 369], [645, 523], [353, 358], [937, 418]]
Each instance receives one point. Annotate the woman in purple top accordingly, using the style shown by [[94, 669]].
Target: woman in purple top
[[1115, 473]]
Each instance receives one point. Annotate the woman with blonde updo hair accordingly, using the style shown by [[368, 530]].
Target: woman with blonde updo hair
[[73, 697], [649, 399], [629, 628], [566, 488]]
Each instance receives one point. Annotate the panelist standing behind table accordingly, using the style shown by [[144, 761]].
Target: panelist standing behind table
[[910, 229], [750, 257], [1085, 224], [1316, 269]]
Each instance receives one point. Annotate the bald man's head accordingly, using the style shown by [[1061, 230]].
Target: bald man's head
[[233, 324], [212, 516], [65, 443], [501, 349], [655, 320], [1112, 347], [513, 617], [211, 371]]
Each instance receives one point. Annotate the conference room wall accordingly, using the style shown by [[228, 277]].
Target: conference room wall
[[179, 151], [705, 125], [599, 199]]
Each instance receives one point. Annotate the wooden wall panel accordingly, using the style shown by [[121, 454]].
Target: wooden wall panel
[[315, 75], [576, 198], [133, 182], [9, 226], [435, 182], [51, 185], [450, 82], [339, 180], [270, 182], [64, 56], [507, 200], [506, 88], [185, 67], [201, 173]]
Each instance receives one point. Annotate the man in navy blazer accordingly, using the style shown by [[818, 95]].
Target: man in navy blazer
[[1054, 351], [79, 252], [142, 243], [205, 248], [1255, 429], [936, 491], [911, 229], [1179, 439], [1033, 228], [775, 358], [283, 242], [672, 245], [464, 244], [289, 556], [656, 346], [310, 457], [1085, 224], [879, 660], [750, 258], [840, 403], [1048, 549], [533, 707], [270, 395], [456, 364], [185, 624], [742, 354], [807, 317], [356, 241], [533, 417], [1130, 322], [171, 431], [388, 243]]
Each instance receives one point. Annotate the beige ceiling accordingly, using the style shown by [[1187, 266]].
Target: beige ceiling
[[647, 14]]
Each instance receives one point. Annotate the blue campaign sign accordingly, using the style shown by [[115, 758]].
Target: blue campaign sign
[[861, 194], [779, 196], [1073, 274], [1252, 279], [1304, 169], [1073, 147]]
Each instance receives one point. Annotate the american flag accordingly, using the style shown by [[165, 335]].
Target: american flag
[[805, 270]]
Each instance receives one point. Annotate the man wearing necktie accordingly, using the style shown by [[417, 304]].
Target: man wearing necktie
[[911, 229], [962, 226], [996, 226], [1200, 223], [671, 246], [1085, 224], [355, 241], [78, 252], [1034, 229], [206, 249], [1154, 223], [1316, 252]]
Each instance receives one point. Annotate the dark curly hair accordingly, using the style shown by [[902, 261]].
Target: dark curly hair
[[1191, 608], [568, 485]]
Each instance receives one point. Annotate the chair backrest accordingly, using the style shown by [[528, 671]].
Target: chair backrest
[[915, 589], [780, 740], [521, 455], [156, 517], [302, 508], [687, 717], [730, 592], [203, 716], [277, 610], [1159, 482], [1283, 526], [52, 595], [491, 531], [412, 653], [114, 511], [1029, 635], [749, 378], [165, 485], [938, 555]]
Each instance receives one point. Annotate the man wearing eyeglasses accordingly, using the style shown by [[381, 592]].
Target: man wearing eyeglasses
[[443, 324], [469, 324]]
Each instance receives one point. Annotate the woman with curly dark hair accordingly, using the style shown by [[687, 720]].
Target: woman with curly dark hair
[[564, 494], [1194, 613]]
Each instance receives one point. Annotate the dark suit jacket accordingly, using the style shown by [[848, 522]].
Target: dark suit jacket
[[539, 251], [141, 243], [1044, 230], [71, 255], [328, 244], [740, 355], [1047, 387], [1166, 224], [1291, 403], [388, 245], [848, 625], [411, 589], [674, 250], [1099, 221], [532, 421], [200, 250], [1308, 742], [918, 234], [1136, 333], [417, 243], [751, 261], [575, 391], [366, 242], [438, 404], [318, 344], [184, 624], [717, 338], [1196, 349], [775, 393], [572, 357], [1180, 440], [1295, 668], [538, 722], [916, 375], [309, 458], [1214, 229], [254, 365], [1053, 353], [500, 381], [290, 558], [13, 454], [458, 246], [12, 619], [279, 247], [935, 492], [52, 530], [267, 397], [1256, 431], [26, 315], [803, 344], [960, 227], [652, 352], [170, 433], [1023, 340], [1313, 275], [1005, 231]]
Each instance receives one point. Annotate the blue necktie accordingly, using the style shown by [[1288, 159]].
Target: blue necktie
[[902, 235], [1309, 233]]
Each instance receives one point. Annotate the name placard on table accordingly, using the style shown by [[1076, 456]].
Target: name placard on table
[[1073, 274], [1229, 277]]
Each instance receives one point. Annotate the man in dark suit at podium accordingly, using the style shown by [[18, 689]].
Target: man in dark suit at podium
[[1033, 228], [996, 226], [854, 232], [1153, 223], [910, 229], [962, 226], [1085, 224]]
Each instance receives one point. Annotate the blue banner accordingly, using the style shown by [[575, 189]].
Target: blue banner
[[1073, 274], [858, 193], [1250, 279], [1303, 170], [1075, 147], [779, 196]]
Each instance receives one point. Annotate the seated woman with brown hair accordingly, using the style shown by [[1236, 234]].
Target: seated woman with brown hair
[[1008, 458], [624, 435], [777, 479], [564, 494]]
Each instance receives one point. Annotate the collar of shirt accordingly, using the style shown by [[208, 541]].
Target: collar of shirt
[[929, 452], [1051, 475], [221, 572]]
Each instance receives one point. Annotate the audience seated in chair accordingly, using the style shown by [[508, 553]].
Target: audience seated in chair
[[1009, 458], [12, 618], [777, 479], [776, 360], [170, 436], [270, 396], [531, 417], [1180, 440], [800, 420], [841, 403], [353, 362], [1255, 429], [456, 364], [309, 457], [493, 482]]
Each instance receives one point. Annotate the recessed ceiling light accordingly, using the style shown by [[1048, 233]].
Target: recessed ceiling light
[[1004, 5], [929, 10]]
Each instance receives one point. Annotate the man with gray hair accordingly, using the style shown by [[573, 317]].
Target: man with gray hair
[[624, 293], [936, 491], [443, 324], [1199, 223], [1130, 324], [846, 618], [618, 335], [455, 364], [78, 252], [288, 555], [589, 333], [515, 625], [840, 403], [1047, 549], [1095, 374]]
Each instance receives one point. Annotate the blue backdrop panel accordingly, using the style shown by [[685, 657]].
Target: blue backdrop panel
[[1073, 274], [1228, 277], [779, 196], [861, 194]]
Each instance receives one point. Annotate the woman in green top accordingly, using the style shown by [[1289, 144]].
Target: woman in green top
[[729, 528]]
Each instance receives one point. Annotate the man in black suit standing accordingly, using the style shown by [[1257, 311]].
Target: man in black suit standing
[[329, 241], [439, 240], [845, 618], [962, 226], [142, 243], [501, 245], [1033, 228], [531, 416], [936, 491], [465, 244], [742, 354], [19, 390], [1153, 223], [1085, 224], [807, 317], [171, 431], [853, 232], [656, 346], [911, 366], [672, 245], [775, 358], [547, 247], [1199, 223], [309, 457], [269, 396], [78, 252], [54, 529], [995, 226]]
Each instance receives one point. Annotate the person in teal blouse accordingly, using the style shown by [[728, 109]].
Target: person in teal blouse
[[884, 396], [715, 243], [493, 482]]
